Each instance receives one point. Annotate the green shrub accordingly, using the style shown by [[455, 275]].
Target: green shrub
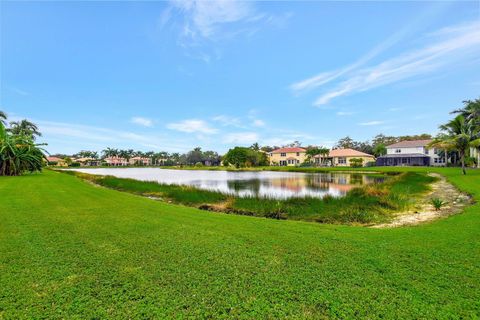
[[437, 203], [356, 162]]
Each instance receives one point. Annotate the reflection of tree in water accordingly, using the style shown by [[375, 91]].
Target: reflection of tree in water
[[252, 185], [318, 181], [356, 178]]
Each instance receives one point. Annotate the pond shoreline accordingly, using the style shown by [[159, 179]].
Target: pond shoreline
[[368, 205]]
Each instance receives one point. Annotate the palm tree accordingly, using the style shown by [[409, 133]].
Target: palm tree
[[459, 135], [19, 153], [110, 152], [24, 127], [3, 118], [471, 111]]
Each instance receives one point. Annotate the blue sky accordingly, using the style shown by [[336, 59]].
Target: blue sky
[[175, 75]]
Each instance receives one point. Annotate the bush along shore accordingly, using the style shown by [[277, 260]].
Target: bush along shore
[[364, 205]]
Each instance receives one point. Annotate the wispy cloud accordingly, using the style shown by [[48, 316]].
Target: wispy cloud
[[241, 137], [78, 136], [371, 123], [226, 121], [207, 18], [258, 123], [446, 47], [345, 113], [205, 24], [142, 121], [19, 91], [192, 126]]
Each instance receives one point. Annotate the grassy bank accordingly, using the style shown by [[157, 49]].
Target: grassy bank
[[364, 205], [69, 249]]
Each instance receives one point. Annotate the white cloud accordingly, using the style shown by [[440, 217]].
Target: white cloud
[[77, 136], [241, 137], [345, 113], [446, 47], [192, 126], [226, 121], [142, 121], [371, 123], [258, 123], [211, 20], [457, 45], [19, 91]]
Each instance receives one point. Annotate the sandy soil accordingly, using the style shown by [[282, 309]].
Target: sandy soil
[[424, 211]]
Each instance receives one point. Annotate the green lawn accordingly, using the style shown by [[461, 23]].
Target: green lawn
[[69, 249]]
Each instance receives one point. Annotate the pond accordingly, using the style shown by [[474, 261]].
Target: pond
[[271, 184]]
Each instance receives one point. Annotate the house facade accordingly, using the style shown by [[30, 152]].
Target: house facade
[[412, 153], [140, 161], [55, 161], [292, 156], [116, 161], [89, 162], [342, 158]]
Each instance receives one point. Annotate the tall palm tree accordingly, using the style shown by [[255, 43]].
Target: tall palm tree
[[460, 135], [3, 118], [25, 127], [471, 111], [110, 152]]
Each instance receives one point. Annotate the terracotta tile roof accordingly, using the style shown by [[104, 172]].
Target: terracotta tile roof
[[287, 150], [345, 153], [410, 144], [54, 159]]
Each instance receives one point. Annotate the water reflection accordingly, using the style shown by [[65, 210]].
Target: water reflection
[[278, 185]]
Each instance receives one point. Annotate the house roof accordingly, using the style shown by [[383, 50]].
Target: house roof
[[54, 159], [410, 144], [288, 150], [345, 153]]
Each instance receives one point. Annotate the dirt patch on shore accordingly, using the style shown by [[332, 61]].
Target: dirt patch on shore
[[424, 211]]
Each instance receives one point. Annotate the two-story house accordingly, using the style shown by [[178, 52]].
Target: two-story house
[[411, 153], [292, 156], [342, 158]]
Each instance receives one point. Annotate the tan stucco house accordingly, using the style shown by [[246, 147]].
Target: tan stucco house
[[342, 158], [290, 156]]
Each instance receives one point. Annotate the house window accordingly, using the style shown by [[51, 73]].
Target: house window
[[298, 154], [398, 151], [425, 150], [283, 154], [342, 160]]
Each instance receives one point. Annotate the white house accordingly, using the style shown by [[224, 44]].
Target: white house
[[412, 153]]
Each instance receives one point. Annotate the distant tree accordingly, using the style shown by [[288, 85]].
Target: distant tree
[[245, 157], [379, 150], [194, 156], [294, 144], [255, 146], [267, 149], [344, 143], [110, 152]]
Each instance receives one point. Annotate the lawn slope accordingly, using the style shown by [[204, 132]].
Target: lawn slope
[[69, 249]]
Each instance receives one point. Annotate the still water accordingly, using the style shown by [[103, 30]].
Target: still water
[[276, 185]]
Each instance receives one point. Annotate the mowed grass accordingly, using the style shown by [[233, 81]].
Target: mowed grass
[[364, 205], [69, 249]]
